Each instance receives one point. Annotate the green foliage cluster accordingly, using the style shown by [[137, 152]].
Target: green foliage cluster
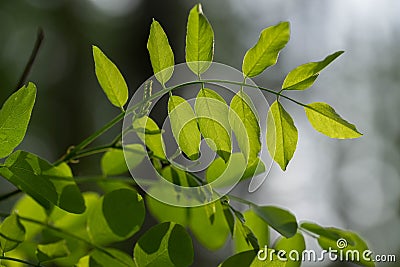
[[55, 223]]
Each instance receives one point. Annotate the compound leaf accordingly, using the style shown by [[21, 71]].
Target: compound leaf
[[265, 53], [325, 120], [110, 79]]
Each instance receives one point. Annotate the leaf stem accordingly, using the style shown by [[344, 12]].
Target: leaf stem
[[20, 261]]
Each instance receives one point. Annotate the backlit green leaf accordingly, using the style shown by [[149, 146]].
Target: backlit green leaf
[[293, 247], [265, 53], [54, 185], [325, 120], [116, 216], [250, 259], [212, 113], [199, 41], [12, 233], [114, 258], [114, 161], [14, 118], [184, 126], [167, 244], [244, 123], [161, 55], [48, 252], [281, 135], [304, 76], [279, 219], [110, 79], [150, 134], [212, 234], [260, 229], [167, 213]]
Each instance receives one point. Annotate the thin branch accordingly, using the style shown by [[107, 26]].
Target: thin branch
[[20, 261], [32, 58]]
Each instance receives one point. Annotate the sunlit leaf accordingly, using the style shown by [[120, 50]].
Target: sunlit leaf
[[244, 123], [12, 233], [14, 118], [265, 53], [184, 126], [116, 216], [325, 120], [199, 41], [110, 79], [250, 259], [279, 219], [161, 55], [260, 229], [305, 75], [48, 252], [150, 134], [54, 185], [293, 247], [114, 161], [167, 244], [212, 113], [281, 135], [167, 213]]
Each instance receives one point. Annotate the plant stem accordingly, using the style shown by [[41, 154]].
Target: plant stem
[[20, 261]]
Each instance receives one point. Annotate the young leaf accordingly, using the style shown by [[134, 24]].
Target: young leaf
[[161, 55], [325, 120], [54, 185], [114, 161], [281, 135], [14, 118], [260, 229], [199, 41], [110, 79], [184, 126], [116, 216], [48, 252], [244, 122], [167, 244], [211, 235], [12, 233], [265, 53], [212, 113], [279, 219], [150, 134], [293, 247], [250, 259], [304, 76]]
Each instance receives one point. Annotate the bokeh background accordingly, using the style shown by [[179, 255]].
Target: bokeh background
[[350, 184]]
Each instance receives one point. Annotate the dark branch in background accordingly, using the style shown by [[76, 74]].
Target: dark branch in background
[[35, 51]]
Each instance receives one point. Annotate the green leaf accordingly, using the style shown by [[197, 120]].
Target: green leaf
[[199, 41], [230, 219], [260, 229], [167, 244], [110, 79], [325, 120], [161, 55], [116, 216], [14, 118], [114, 258], [244, 123], [12, 233], [265, 53], [281, 135], [344, 242], [293, 247], [52, 186], [184, 126], [245, 236], [279, 219], [150, 134], [304, 76], [250, 259], [212, 234], [48, 252], [114, 161], [212, 113], [167, 213]]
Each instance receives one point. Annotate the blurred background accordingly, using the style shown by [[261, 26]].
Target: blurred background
[[351, 184]]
